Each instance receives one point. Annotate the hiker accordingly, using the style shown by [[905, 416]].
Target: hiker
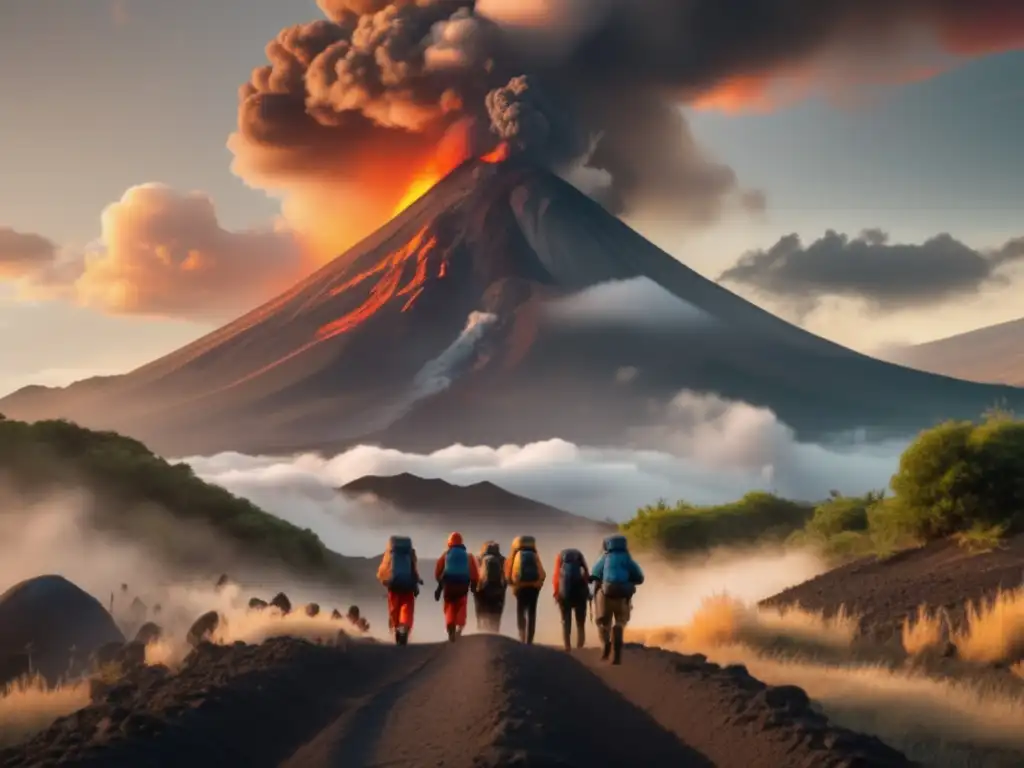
[[456, 573], [489, 596], [399, 572], [524, 572], [616, 576], [572, 594]]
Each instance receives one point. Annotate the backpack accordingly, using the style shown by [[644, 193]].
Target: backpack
[[492, 578], [402, 576], [571, 581], [526, 571], [456, 567], [616, 581]]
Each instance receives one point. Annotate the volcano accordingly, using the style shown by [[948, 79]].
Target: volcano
[[494, 310]]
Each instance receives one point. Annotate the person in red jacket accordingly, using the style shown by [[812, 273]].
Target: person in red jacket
[[456, 573]]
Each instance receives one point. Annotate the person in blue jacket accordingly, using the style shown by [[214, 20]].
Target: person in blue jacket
[[615, 576]]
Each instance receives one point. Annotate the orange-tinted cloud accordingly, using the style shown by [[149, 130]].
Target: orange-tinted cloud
[[160, 253]]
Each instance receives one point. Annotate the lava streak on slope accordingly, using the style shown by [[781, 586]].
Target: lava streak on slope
[[498, 155], [388, 286]]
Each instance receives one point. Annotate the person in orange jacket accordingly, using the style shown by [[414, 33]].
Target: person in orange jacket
[[456, 573], [399, 573], [524, 572]]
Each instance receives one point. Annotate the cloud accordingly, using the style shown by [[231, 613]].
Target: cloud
[[709, 450], [887, 275], [22, 253], [636, 302], [160, 253], [350, 108]]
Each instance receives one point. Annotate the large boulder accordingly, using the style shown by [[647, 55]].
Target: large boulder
[[56, 624]]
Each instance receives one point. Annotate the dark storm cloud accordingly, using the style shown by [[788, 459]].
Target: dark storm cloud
[[869, 267], [390, 79]]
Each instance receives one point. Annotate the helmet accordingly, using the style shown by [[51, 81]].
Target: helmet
[[455, 539]]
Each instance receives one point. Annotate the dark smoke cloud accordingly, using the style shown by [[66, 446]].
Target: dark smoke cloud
[[380, 83], [888, 275]]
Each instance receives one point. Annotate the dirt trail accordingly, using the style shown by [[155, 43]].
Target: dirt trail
[[484, 701]]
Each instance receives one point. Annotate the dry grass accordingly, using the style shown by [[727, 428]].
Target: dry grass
[[28, 706], [722, 620], [923, 632], [937, 722], [994, 629]]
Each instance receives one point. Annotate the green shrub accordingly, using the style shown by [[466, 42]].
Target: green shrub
[[959, 475], [126, 477], [684, 527]]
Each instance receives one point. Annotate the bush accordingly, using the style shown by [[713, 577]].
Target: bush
[[960, 476], [684, 527], [127, 477]]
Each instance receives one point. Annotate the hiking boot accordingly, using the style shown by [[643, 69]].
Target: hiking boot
[[451, 634], [617, 645], [581, 635], [566, 639], [402, 636]]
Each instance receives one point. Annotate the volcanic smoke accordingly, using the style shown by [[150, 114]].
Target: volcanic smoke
[[358, 114]]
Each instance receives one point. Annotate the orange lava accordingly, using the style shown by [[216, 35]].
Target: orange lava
[[497, 155], [391, 270], [450, 153]]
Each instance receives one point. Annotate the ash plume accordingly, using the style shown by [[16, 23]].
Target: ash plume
[[355, 103]]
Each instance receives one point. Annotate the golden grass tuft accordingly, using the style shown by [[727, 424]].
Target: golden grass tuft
[[994, 629], [922, 632], [722, 621], [28, 706]]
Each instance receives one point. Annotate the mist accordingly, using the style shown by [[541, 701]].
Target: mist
[[705, 450]]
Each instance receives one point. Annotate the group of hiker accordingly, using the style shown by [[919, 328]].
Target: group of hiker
[[489, 575]]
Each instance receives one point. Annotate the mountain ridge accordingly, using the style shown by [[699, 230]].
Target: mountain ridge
[[334, 361]]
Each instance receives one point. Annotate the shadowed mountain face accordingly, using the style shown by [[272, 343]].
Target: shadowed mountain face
[[992, 354], [445, 326]]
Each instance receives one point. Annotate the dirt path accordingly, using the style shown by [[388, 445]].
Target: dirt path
[[483, 702]]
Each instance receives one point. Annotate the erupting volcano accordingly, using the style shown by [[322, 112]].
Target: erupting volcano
[[476, 315]]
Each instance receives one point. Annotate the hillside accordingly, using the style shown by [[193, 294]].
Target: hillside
[[480, 500], [151, 502], [994, 354], [448, 325]]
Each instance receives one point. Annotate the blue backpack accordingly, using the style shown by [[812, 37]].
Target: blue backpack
[[403, 577], [617, 578], [571, 581], [456, 567]]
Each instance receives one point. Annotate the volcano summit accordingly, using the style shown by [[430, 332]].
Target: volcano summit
[[502, 306]]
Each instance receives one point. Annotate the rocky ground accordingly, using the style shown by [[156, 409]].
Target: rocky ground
[[884, 592], [484, 701]]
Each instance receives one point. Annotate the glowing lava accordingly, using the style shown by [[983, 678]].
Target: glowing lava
[[391, 269], [497, 155], [417, 189]]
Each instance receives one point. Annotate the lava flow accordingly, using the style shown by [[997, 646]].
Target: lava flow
[[388, 286]]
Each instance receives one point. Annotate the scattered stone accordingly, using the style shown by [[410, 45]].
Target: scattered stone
[[255, 604], [204, 627], [282, 603], [148, 633], [312, 609]]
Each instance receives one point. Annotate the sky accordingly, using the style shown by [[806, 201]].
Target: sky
[[117, 190]]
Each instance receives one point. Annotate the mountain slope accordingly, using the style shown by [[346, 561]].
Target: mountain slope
[[993, 354], [438, 329]]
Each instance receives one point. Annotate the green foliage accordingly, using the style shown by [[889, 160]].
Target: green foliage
[[683, 527], [959, 479], [127, 478], [959, 475], [981, 538]]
